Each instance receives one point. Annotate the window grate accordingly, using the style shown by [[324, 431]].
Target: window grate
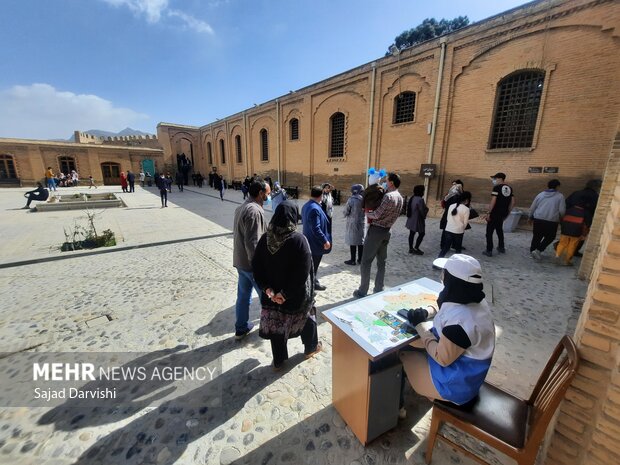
[[7, 167], [67, 164], [404, 107], [238, 147], [337, 135], [294, 129], [222, 152], [516, 111], [264, 145]]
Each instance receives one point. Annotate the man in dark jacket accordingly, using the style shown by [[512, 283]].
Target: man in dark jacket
[[131, 180], [587, 198], [316, 230], [40, 193]]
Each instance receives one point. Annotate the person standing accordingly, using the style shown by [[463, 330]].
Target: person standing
[[502, 202], [546, 211], [278, 195], [354, 230], [378, 236], [49, 179], [91, 182], [457, 221], [123, 181], [248, 227], [163, 184], [574, 230], [282, 267], [142, 177], [75, 178], [416, 219], [587, 198], [179, 180], [316, 230], [131, 180]]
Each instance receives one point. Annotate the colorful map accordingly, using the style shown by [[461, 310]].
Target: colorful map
[[375, 319]]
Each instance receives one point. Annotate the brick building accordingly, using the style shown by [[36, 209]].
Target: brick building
[[532, 92]]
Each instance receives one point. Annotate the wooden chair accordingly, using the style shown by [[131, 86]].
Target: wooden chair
[[513, 426]]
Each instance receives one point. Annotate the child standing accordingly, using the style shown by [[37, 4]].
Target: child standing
[[457, 221], [91, 182], [573, 230]]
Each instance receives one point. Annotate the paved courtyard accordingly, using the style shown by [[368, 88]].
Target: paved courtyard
[[169, 287]]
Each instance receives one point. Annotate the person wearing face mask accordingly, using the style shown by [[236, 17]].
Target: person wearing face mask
[[316, 230], [458, 348], [248, 227], [457, 219], [502, 202]]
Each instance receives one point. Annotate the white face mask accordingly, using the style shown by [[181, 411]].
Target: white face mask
[[384, 185], [268, 199], [494, 181]]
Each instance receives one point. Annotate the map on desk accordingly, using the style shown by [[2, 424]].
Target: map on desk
[[374, 319]]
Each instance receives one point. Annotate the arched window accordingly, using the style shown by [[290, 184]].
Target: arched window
[[7, 167], [222, 152], [238, 148], [336, 135], [516, 110], [294, 129], [67, 164], [264, 145], [209, 153], [404, 107]]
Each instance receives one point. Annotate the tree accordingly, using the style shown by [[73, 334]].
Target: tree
[[429, 29]]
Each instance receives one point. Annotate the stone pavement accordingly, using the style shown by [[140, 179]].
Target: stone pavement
[[181, 294]]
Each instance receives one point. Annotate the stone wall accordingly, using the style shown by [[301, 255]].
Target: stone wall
[[588, 426]]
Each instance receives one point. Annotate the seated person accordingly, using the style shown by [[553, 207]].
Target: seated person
[[40, 193], [458, 349]]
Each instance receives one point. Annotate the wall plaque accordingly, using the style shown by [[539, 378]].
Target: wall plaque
[[428, 170], [551, 169], [535, 169]]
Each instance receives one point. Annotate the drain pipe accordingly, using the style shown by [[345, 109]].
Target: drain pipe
[[371, 120], [278, 137], [442, 42]]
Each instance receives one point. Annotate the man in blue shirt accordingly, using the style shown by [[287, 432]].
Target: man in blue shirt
[[316, 230]]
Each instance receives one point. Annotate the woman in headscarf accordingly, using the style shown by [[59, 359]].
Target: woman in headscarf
[[459, 347], [124, 183], [354, 232], [282, 268]]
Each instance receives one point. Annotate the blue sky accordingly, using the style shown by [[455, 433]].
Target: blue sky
[[109, 64]]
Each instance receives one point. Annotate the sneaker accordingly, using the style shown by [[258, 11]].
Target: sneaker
[[349, 262], [411, 251], [488, 253], [319, 287], [418, 252], [536, 254], [277, 367], [239, 335], [317, 349], [501, 250], [357, 294], [359, 262]]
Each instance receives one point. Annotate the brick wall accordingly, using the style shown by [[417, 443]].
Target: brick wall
[[588, 426]]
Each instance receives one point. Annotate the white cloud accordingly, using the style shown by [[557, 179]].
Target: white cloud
[[39, 111], [153, 10]]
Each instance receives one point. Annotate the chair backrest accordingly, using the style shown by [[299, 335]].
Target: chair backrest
[[550, 389]]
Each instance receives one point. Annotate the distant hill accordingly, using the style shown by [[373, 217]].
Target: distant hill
[[101, 133]]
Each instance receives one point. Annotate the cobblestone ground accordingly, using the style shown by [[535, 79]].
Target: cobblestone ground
[[182, 296]]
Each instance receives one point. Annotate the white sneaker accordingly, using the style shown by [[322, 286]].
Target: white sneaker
[[536, 254]]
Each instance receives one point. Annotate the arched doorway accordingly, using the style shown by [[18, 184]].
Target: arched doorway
[[8, 175], [111, 173]]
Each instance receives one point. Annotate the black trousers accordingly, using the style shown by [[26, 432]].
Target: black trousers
[[164, 196], [353, 248], [32, 197], [543, 234], [309, 338], [451, 240], [316, 261], [419, 241], [495, 225], [132, 186]]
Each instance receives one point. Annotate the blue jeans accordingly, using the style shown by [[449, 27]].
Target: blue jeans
[[244, 297]]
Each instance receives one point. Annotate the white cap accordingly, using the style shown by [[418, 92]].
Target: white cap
[[462, 267]]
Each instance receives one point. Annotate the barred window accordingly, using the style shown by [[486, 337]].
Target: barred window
[[264, 145], [222, 152], [7, 167], [67, 164], [294, 129], [336, 126], [516, 110], [238, 148], [404, 107], [209, 153]]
